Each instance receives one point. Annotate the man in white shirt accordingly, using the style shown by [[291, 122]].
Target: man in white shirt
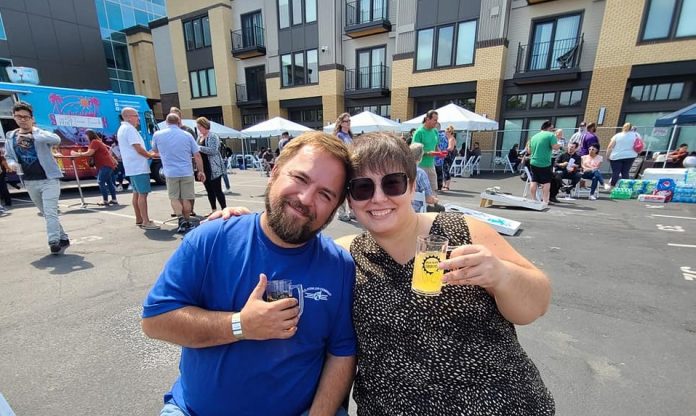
[[135, 162]]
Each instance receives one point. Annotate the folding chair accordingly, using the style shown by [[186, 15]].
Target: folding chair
[[420, 196], [508, 165], [473, 164], [457, 166], [528, 185]]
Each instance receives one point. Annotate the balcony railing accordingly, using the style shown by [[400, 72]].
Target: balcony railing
[[248, 42], [557, 55], [366, 17], [367, 78], [252, 94]]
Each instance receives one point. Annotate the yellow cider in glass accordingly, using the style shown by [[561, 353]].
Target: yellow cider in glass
[[427, 277]]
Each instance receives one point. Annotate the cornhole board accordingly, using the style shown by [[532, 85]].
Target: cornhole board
[[487, 199], [500, 224]]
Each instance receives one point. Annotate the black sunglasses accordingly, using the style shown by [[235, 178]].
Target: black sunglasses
[[393, 184]]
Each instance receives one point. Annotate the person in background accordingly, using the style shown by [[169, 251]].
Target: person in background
[[409, 139], [422, 184], [449, 159], [135, 163], [343, 132], [676, 158], [4, 192], [119, 173], [268, 158], [209, 145], [190, 131], [578, 135], [566, 166], [105, 165], [560, 139], [462, 150], [30, 154], [224, 154], [539, 148], [621, 154], [514, 157], [589, 139], [284, 139], [590, 170], [427, 135]]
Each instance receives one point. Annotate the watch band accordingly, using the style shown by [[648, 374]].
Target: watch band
[[237, 326]]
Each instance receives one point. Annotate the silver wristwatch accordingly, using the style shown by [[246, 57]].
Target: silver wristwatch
[[237, 326]]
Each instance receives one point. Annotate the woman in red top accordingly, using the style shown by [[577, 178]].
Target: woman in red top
[[105, 165]]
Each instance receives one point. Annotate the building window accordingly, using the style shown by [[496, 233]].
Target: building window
[[311, 117], [554, 40], [371, 69], [516, 102], [447, 48], [543, 100], [3, 35], [570, 98], [203, 83], [297, 12], [668, 19], [383, 110], [657, 92], [466, 40], [197, 33], [299, 68]]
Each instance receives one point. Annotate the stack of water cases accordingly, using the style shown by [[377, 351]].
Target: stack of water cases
[[686, 191]]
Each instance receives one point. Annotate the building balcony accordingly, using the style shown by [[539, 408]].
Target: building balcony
[[557, 60], [367, 82], [365, 18], [250, 96], [248, 42]]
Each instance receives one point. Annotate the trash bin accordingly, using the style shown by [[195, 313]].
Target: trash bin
[[240, 162]]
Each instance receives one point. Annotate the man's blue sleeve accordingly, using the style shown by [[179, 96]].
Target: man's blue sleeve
[[342, 341], [180, 282]]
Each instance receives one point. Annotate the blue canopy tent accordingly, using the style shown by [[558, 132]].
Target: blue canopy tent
[[686, 115]]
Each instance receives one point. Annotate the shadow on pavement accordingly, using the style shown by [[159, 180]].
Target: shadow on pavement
[[62, 264]]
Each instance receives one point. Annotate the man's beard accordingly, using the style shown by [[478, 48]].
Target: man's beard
[[289, 229]]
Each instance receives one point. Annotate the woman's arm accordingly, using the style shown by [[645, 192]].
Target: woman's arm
[[213, 145], [522, 292]]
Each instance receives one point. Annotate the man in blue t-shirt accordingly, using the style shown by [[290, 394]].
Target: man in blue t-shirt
[[241, 354]]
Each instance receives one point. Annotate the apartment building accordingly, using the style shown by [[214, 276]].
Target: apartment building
[[517, 61]]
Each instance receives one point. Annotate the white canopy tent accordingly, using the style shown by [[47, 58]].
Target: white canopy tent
[[460, 118], [275, 127], [223, 132], [367, 122]]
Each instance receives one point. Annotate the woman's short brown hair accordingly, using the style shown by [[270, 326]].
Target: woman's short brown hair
[[382, 152], [203, 122]]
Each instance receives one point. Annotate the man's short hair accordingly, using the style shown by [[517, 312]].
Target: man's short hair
[[324, 142], [683, 145], [173, 118], [176, 111], [23, 106], [546, 125], [285, 133]]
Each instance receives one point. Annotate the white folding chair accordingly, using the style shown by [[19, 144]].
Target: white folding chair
[[528, 185], [457, 166], [473, 164], [420, 197], [508, 165]]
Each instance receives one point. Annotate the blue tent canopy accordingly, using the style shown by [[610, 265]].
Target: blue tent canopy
[[686, 115]]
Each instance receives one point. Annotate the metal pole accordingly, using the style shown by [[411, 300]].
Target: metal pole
[[671, 142]]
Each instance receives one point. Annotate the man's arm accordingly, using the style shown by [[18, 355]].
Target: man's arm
[[45, 137], [334, 385], [199, 166], [141, 151], [194, 327]]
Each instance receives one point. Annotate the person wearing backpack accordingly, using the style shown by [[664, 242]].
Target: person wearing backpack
[[622, 152]]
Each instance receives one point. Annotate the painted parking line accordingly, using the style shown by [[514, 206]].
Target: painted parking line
[[675, 217], [681, 245]]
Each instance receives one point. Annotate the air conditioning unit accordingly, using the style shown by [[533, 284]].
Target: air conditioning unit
[[23, 75]]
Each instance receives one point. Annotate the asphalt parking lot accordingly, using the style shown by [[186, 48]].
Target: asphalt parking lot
[[618, 339]]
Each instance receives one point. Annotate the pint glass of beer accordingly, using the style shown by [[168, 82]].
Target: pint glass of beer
[[427, 277], [282, 289]]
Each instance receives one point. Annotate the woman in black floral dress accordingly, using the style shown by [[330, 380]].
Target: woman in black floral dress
[[452, 354]]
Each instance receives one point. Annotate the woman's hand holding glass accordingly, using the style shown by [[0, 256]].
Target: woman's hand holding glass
[[473, 265]]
